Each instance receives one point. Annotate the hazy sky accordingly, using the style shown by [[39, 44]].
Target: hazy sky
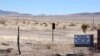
[[50, 6]]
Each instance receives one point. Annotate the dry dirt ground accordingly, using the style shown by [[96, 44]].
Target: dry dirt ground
[[36, 40]]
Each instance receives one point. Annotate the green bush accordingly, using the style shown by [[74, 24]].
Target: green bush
[[84, 27]]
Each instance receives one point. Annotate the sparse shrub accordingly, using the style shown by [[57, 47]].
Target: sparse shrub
[[64, 27], [48, 46], [24, 22], [71, 24], [81, 53], [28, 22], [8, 50], [57, 24], [29, 43], [40, 24], [56, 55], [94, 27], [45, 24], [84, 27], [36, 23], [4, 44], [88, 26], [3, 22]]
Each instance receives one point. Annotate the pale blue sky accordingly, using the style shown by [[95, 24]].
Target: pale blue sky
[[52, 7]]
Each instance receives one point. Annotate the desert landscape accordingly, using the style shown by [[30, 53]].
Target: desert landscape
[[49, 28], [36, 34]]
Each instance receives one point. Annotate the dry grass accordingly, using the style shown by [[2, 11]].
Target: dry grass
[[35, 37]]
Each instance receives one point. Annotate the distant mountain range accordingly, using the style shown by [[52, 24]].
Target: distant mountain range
[[86, 16], [10, 13], [87, 13]]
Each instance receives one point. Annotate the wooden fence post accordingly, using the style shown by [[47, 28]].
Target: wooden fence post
[[18, 39]]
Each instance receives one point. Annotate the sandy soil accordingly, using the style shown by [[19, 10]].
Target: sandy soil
[[36, 39]]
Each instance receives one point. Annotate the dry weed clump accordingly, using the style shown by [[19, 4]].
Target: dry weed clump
[[4, 44], [6, 51], [72, 25], [50, 46], [3, 22]]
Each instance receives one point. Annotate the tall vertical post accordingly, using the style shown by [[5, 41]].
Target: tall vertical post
[[18, 39], [93, 22], [53, 27], [98, 39], [52, 35]]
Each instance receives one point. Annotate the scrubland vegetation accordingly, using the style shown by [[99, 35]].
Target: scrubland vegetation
[[36, 37]]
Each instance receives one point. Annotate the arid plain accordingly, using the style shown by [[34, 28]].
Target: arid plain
[[36, 34]]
